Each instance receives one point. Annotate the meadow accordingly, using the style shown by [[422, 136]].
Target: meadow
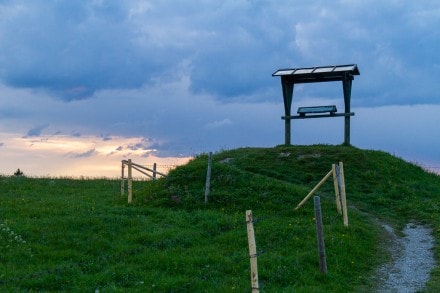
[[61, 234]]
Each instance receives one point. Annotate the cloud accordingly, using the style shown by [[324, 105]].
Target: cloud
[[105, 137], [82, 47], [37, 130], [190, 77], [64, 155], [218, 123], [401, 130], [85, 154], [230, 48], [76, 134]]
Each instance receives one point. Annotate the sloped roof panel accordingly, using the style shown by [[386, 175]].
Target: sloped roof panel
[[283, 72], [324, 69], [319, 72]]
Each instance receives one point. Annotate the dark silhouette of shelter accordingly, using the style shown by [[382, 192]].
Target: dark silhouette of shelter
[[292, 76]]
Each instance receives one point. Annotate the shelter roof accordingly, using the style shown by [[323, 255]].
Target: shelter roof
[[318, 74]]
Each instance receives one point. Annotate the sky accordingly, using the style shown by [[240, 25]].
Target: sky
[[86, 84]]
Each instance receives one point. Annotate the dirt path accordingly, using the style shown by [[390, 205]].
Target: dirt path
[[412, 260]]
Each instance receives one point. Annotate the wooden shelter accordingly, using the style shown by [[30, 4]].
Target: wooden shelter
[[292, 76]]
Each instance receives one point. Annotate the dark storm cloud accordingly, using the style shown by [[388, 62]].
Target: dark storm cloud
[[72, 49]]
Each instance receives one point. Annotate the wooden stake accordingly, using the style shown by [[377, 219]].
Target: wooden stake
[[343, 196], [154, 170], [252, 251], [130, 182], [336, 185], [320, 235], [208, 177], [122, 178], [314, 189]]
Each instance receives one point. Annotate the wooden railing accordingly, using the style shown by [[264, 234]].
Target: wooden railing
[[142, 169], [339, 184]]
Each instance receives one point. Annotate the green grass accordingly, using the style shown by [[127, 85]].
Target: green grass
[[81, 235]]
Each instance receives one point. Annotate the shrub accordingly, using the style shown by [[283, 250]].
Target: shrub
[[18, 173]]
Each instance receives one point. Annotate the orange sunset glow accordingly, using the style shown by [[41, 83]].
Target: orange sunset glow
[[89, 156]]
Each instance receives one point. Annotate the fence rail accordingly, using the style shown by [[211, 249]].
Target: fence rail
[[141, 169]]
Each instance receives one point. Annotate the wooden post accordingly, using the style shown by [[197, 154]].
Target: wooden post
[[336, 185], [287, 88], [287, 131], [252, 251], [130, 182], [154, 170], [320, 235], [122, 178], [314, 189], [208, 177], [343, 196], [346, 85]]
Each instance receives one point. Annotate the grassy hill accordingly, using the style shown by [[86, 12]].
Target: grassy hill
[[81, 235]]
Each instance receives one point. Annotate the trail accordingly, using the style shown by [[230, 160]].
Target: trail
[[412, 260]]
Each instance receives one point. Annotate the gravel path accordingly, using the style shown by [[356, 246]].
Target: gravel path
[[412, 260]]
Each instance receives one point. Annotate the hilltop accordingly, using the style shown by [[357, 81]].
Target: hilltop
[[77, 235]]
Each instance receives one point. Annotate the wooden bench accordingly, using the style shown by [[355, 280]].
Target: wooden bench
[[317, 112], [302, 111]]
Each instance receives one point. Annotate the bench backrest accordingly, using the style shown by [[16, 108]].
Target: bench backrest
[[317, 109]]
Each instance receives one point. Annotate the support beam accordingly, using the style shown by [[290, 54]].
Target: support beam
[[318, 116], [315, 189], [346, 84], [287, 88]]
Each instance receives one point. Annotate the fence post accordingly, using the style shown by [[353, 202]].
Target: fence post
[[130, 182], [343, 196], [336, 186], [122, 178], [154, 170], [252, 252], [208, 177], [320, 235]]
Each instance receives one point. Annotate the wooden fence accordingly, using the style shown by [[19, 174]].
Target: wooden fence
[[339, 185], [142, 169]]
